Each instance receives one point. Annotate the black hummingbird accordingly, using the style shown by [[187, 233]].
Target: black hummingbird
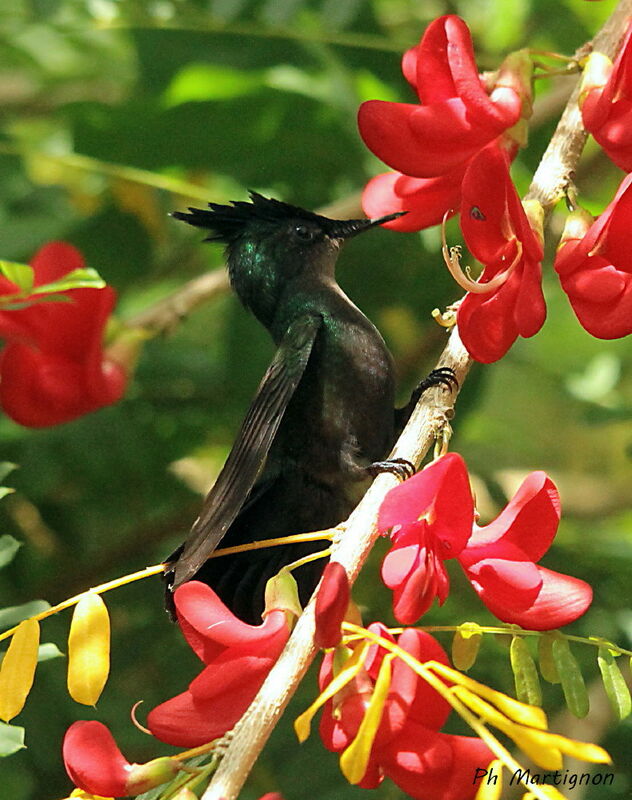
[[323, 417]]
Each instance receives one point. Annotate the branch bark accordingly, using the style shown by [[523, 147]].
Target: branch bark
[[435, 408]]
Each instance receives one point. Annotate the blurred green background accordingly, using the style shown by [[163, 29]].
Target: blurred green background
[[172, 101]]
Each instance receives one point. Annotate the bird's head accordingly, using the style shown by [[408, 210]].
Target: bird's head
[[270, 243]]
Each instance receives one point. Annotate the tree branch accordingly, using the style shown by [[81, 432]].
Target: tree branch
[[435, 408]]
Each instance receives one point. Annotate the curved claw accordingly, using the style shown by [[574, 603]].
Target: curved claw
[[400, 467], [442, 376]]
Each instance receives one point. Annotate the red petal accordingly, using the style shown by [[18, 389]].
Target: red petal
[[453, 508], [385, 129], [485, 221], [426, 200], [231, 675], [332, 602], [428, 707], [434, 78], [185, 722], [417, 593], [442, 488], [40, 389], [435, 765], [528, 521], [93, 761], [486, 322], [511, 585], [561, 600], [467, 82], [209, 626], [530, 309], [403, 557], [615, 244]]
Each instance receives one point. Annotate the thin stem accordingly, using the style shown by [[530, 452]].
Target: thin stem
[[303, 34], [144, 177], [156, 569], [326, 534], [308, 559]]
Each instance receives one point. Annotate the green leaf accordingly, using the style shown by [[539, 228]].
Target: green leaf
[[548, 669], [5, 490], [11, 739], [11, 615], [614, 683], [20, 274], [465, 645], [199, 82], [8, 548], [526, 678], [571, 679], [85, 278], [6, 468], [48, 651]]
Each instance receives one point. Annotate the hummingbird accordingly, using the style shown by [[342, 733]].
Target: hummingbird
[[323, 418]]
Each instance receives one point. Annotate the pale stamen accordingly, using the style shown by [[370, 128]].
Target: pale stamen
[[452, 258]]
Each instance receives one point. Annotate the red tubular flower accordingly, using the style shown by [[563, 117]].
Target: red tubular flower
[[238, 658], [332, 602], [431, 144], [498, 233], [53, 367], [430, 518], [606, 102], [499, 560], [95, 764], [408, 747], [594, 263]]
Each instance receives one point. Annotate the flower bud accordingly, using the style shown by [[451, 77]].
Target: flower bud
[[516, 73], [332, 602], [282, 595], [142, 777], [595, 76], [576, 226]]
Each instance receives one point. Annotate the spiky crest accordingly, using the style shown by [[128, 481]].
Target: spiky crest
[[229, 221]]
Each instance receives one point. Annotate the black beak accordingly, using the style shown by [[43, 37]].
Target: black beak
[[345, 229]]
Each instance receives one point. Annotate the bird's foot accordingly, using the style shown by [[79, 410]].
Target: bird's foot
[[443, 376], [400, 467]]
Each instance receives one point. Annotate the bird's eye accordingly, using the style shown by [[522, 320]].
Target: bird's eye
[[304, 233]]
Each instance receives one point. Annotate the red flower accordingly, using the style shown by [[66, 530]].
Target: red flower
[[430, 517], [431, 144], [53, 367], [408, 747], [238, 658], [594, 263], [498, 233], [499, 560], [332, 602], [606, 102], [95, 764]]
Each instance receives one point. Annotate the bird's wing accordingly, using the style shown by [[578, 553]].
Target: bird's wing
[[246, 459]]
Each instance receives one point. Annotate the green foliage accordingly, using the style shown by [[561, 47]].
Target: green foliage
[[116, 113], [11, 739]]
